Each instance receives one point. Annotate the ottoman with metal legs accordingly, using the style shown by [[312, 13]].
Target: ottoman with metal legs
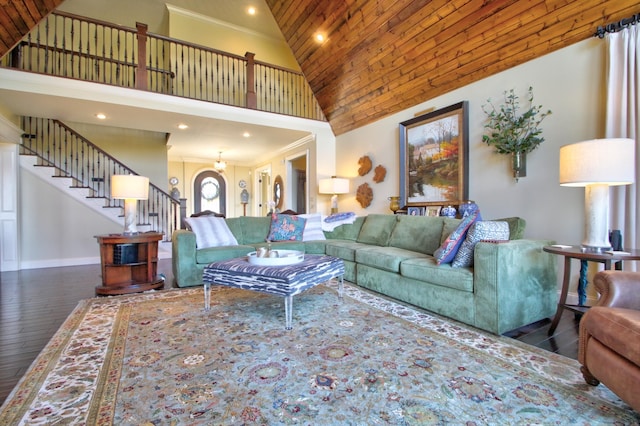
[[285, 281]]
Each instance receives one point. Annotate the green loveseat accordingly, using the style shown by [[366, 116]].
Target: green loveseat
[[511, 283]]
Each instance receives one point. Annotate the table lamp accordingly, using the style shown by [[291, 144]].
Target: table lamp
[[334, 186], [597, 164], [129, 188]]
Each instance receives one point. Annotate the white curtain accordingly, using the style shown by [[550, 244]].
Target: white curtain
[[622, 121]]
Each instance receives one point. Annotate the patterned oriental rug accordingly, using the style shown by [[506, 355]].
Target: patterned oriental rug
[[159, 359]]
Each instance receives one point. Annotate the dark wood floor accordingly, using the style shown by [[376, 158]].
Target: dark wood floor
[[34, 303]]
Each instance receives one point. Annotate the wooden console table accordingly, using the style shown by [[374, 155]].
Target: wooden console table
[[575, 252], [129, 263]]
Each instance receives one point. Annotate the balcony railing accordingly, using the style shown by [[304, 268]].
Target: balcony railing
[[67, 45]]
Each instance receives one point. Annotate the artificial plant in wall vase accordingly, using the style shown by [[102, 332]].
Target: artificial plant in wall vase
[[514, 133]]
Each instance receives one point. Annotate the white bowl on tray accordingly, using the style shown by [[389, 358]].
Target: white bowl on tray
[[285, 257]]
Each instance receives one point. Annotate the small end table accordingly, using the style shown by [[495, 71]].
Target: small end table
[[575, 252], [129, 263]]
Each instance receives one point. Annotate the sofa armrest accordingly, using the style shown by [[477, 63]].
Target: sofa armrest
[[515, 283], [183, 259], [618, 289]]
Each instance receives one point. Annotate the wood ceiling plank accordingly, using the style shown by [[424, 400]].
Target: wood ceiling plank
[[404, 61], [405, 65], [25, 14], [373, 89], [378, 37]]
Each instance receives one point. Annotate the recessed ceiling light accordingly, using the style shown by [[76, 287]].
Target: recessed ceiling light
[[101, 116], [251, 10], [319, 37], [182, 126], [246, 134]]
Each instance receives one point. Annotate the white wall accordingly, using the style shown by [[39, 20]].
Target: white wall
[[569, 82], [55, 229]]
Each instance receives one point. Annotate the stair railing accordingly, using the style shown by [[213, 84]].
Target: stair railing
[[73, 156]]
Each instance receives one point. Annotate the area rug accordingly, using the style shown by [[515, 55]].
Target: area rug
[[159, 359]]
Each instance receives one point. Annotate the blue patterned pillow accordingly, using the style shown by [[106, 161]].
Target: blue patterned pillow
[[479, 231], [449, 248], [286, 227]]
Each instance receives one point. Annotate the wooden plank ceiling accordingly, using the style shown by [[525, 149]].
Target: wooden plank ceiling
[[383, 56], [17, 17]]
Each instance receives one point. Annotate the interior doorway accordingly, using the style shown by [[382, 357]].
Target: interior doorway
[[210, 192], [297, 174], [263, 190]]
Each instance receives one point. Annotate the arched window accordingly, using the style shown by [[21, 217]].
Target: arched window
[[210, 193]]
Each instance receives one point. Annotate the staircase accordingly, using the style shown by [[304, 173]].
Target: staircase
[[57, 154]]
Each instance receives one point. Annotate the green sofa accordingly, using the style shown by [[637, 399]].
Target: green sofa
[[511, 283]]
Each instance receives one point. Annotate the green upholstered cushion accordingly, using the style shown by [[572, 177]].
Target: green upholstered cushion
[[377, 229], [426, 269], [215, 254], [347, 232], [517, 226], [449, 225], [235, 225], [418, 233], [254, 229], [343, 249], [385, 258], [315, 247]]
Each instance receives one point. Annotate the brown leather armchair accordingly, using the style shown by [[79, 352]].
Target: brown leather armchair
[[609, 345]]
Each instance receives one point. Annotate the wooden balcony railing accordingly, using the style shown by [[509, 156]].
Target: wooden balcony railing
[[67, 45], [71, 155]]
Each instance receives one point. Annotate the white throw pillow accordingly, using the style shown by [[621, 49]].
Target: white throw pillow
[[313, 227], [211, 231]]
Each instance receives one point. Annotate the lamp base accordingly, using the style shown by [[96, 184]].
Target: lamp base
[[130, 213], [596, 225], [334, 204]]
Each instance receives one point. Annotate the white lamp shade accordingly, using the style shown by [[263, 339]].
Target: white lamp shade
[[130, 187], [333, 185], [598, 161]]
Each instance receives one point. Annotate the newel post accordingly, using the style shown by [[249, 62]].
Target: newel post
[[252, 100], [141, 70]]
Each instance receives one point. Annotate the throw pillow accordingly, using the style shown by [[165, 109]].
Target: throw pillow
[[313, 227], [211, 231], [286, 227], [449, 248], [479, 231]]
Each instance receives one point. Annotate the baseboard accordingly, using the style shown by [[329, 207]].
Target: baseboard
[[163, 253], [572, 299], [56, 263]]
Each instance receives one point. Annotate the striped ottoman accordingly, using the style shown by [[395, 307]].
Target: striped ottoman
[[285, 281]]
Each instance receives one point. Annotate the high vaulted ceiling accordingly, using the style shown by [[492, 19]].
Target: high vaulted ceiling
[[383, 56]]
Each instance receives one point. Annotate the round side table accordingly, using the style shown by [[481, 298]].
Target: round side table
[[576, 252]]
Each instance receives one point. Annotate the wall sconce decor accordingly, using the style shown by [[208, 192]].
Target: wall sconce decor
[[129, 188], [596, 165]]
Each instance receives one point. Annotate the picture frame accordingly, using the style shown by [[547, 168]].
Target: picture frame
[[434, 162], [415, 211], [433, 211]]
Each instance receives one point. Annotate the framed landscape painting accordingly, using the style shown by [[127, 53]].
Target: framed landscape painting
[[434, 159]]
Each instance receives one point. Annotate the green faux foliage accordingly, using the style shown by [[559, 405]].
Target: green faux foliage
[[510, 132]]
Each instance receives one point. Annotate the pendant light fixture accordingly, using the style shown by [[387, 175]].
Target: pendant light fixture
[[220, 165]]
